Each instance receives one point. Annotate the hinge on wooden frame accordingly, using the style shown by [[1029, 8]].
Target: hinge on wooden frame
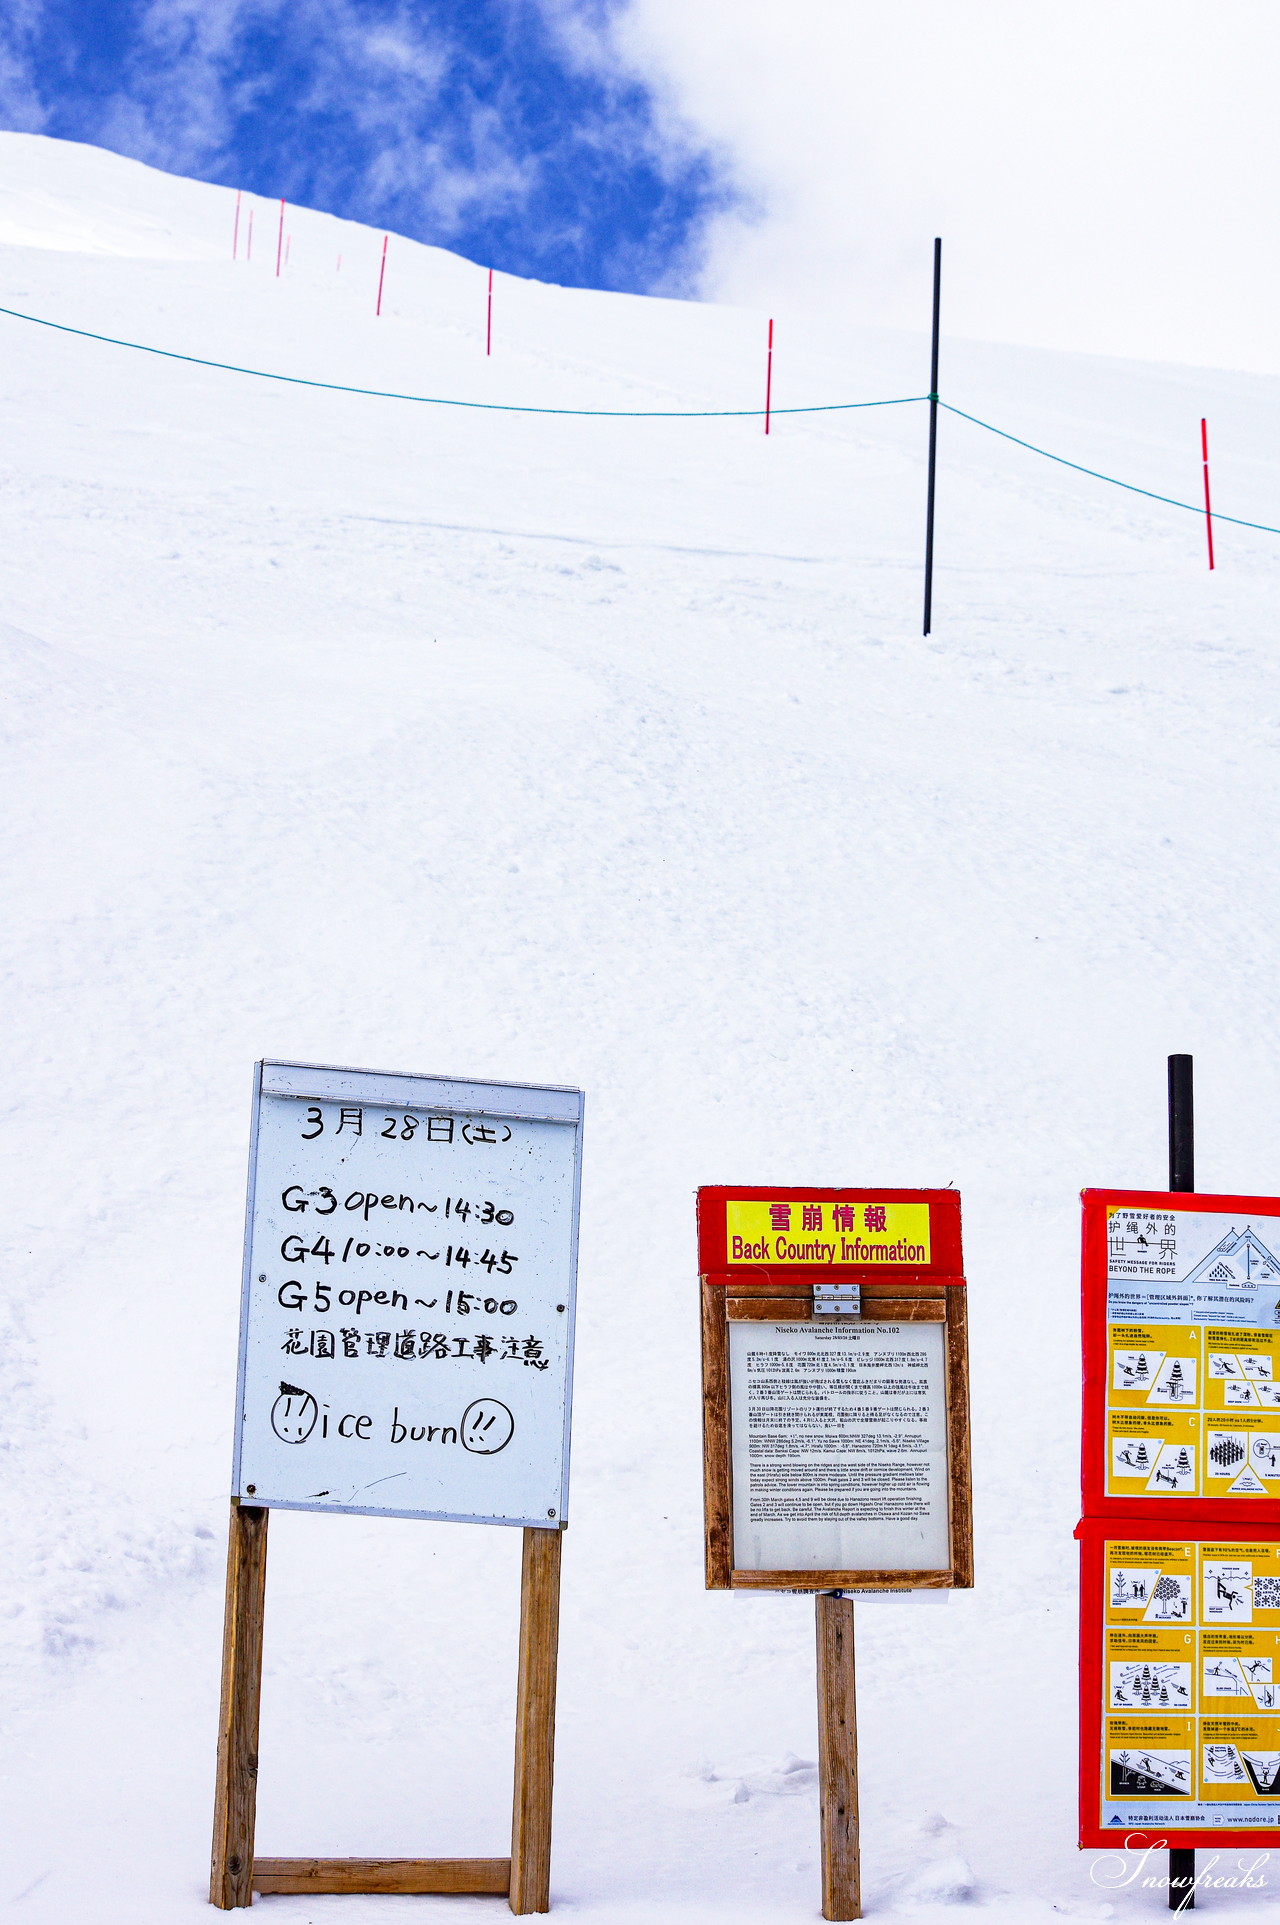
[[837, 1299]]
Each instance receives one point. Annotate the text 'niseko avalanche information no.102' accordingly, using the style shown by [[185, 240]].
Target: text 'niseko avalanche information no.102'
[[407, 1321]]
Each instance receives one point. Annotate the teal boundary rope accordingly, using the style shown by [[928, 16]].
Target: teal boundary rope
[[1192, 507], [629, 414], [445, 401]]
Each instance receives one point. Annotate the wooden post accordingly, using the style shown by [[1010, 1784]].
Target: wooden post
[[838, 1759], [535, 1722], [236, 1795]]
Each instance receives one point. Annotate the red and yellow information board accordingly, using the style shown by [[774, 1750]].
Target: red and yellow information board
[[1181, 1355], [835, 1389], [1180, 1684], [1180, 1547], [766, 1236]]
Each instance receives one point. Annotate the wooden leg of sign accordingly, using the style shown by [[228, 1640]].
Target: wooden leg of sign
[[838, 1759], [235, 1800], [308, 1877], [535, 1722]]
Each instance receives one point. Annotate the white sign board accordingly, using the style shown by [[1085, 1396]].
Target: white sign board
[[406, 1330], [839, 1439]]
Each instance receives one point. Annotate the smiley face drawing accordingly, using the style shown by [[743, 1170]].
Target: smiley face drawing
[[293, 1414], [487, 1427]]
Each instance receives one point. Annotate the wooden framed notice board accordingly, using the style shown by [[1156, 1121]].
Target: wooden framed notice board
[[406, 1350], [835, 1390], [835, 1401]]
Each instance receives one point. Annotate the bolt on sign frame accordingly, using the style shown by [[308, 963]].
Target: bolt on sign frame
[[403, 1200], [1179, 1684], [839, 1284]]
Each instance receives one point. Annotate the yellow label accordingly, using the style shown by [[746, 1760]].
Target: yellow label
[[1152, 1671], [1239, 1585], [1242, 1453], [1151, 1585], [827, 1233], [1239, 1671], [1153, 1366], [1191, 1675], [1240, 1758], [1153, 1453], [1160, 1377], [1150, 1757], [1241, 1370]]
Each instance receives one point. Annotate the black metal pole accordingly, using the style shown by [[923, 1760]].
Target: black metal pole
[[1182, 1128], [1182, 1176], [933, 437]]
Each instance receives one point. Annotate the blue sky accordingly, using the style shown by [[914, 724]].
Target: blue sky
[[509, 130], [793, 159]]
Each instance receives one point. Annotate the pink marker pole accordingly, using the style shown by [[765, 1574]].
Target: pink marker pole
[[382, 271], [280, 239], [768, 380], [248, 252], [1208, 512], [235, 232], [488, 326]]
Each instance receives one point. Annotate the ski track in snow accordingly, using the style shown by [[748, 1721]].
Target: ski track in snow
[[597, 752]]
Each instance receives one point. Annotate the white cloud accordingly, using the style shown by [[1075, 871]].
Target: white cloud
[[21, 108], [1104, 174]]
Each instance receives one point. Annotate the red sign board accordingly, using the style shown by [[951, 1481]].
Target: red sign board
[[762, 1237], [1181, 1308], [1179, 1684]]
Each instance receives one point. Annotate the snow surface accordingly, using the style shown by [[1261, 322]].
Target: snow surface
[[601, 752]]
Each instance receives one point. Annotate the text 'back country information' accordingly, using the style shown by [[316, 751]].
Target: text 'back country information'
[[834, 1234]]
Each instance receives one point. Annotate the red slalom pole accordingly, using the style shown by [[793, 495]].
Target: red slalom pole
[[488, 326], [235, 232], [381, 274], [768, 380], [280, 238], [1208, 511]]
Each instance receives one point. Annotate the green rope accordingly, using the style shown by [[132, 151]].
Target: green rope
[[1195, 508], [629, 414], [442, 401]]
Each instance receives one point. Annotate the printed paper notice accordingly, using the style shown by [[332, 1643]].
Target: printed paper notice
[[839, 1447]]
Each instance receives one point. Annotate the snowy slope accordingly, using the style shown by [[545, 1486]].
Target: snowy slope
[[605, 752]]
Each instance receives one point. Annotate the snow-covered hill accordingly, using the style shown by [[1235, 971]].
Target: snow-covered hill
[[605, 752]]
